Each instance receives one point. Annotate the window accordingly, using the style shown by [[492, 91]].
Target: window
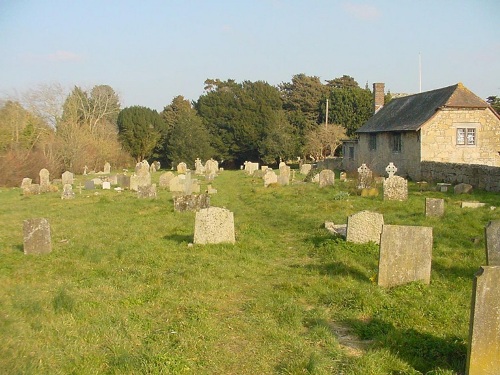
[[372, 145], [396, 142], [466, 136], [351, 153]]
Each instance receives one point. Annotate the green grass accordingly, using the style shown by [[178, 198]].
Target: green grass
[[123, 293]]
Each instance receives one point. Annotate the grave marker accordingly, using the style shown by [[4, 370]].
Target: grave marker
[[434, 207], [364, 226], [214, 225], [492, 237], [36, 233]]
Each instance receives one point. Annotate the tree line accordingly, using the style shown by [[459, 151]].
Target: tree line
[[230, 122]]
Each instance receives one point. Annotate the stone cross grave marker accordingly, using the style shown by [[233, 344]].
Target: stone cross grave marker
[[364, 226], [492, 236], [214, 225], [405, 255], [36, 235], [483, 354], [391, 169], [365, 177]]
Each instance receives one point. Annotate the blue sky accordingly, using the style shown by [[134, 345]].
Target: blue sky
[[151, 51]]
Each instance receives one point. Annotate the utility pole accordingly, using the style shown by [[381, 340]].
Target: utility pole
[[420, 71], [326, 117]]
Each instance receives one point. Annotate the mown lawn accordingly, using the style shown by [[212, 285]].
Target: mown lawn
[[123, 293]]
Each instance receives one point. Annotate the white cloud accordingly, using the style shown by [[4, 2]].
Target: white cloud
[[362, 11], [63, 56]]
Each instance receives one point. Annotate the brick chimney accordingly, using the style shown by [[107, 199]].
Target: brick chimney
[[378, 96]]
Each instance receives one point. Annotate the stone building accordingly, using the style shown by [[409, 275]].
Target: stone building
[[447, 125]]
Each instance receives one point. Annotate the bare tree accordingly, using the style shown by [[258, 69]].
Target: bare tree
[[324, 140]]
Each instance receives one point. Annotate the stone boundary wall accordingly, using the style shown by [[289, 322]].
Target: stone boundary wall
[[330, 163], [482, 177]]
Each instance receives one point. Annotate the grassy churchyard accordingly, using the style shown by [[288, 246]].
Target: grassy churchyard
[[123, 293]]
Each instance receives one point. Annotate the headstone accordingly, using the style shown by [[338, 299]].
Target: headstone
[[67, 178], [264, 168], [123, 181], [97, 181], [483, 354], [462, 189], [177, 184], [33, 189], [472, 204], [181, 167], [270, 178], [305, 169], [44, 180], [443, 186], [364, 226], [36, 233], [113, 179], [395, 189], [492, 237], [192, 202], [106, 185], [343, 176], [391, 169], [89, 185], [336, 229], [326, 178], [211, 190], [68, 192], [26, 186], [146, 191], [212, 166], [107, 168], [157, 165], [250, 167], [405, 255], [142, 166], [165, 179], [214, 225], [434, 207], [365, 177], [85, 169], [152, 168], [199, 168]]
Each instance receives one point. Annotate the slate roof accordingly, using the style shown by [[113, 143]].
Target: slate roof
[[409, 113]]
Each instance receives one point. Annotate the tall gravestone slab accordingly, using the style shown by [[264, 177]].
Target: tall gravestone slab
[[326, 178], [214, 225], [434, 207], [67, 178], [483, 354], [165, 178], [405, 255], [36, 236], [107, 168], [364, 226], [44, 180], [492, 236], [395, 189]]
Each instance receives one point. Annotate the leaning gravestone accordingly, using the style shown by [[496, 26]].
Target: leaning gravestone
[[483, 354], [36, 233], [44, 180], [193, 202], [434, 207], [68, 192], [326, 178], [395, 189], [492, 236], [405, 255], [214, 225], [67, 178], [26, 186], [364, 226], [365, 177]]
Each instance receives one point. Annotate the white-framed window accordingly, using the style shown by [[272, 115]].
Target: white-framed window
[[466, 136]]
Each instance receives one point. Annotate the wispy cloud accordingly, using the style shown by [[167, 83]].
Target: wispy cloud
[[362, 11], [63, 56]]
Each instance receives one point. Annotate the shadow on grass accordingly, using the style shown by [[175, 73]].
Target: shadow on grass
[[423, 351], [180, 238], [337, 269], [454, 271], [19, 247]]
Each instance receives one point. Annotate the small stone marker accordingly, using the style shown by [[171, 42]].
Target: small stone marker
[[472, 204], [214, 225], [343, 176], [434, 207], [405, 255], [364, 226], [36, 234], [68, 192], [193, 202], [106, 185], [107, 168], [492, 237], [483, 354], [462, 189], [443, 186], [326, 178]]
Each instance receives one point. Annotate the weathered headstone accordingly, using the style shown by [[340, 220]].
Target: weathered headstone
[[89, 185], [181, 167], [270, 178], [36, 233], [67, 178], [199, 168], [395, 189], [305, 169], [68, 192], [26, 186], [165, 178], [492, 237], [483, 354], [250, 167], [123, 181], [192, 202], [211, 166], [365, 177], [405, 255], [472, 205], [364, 226], [343, 176], [146, 191], [391, 170], [106, 185], [176, 184], [462, 189], [33, 189], [44, 180], [107, 168], [97, 181], [326, 178], [214, 225], [434, 207]]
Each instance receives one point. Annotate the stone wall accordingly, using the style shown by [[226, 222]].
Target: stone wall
[[482, 177]]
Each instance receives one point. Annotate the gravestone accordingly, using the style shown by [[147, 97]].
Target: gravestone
[[152, 168], [343, 177], [434, 207], [165, 179], [146, 191], [67, 178], [365, 177], [483, 354], [395, 189], [192, 202], [157, 165], [405, 255], [199, 168], [364, 226], [113, 179], [492, 237], [34, 189], [214, 225], [270, 178], [462, 189], [123, 181], [284, 177], [26, 186], [326, 178], [107, 168], [211, 166], [391, 170], [305, 169], [36, 236], [250, 167], [44, 180], [97, 181], [142, 166], [68, 192], [181, 167], [106, 185], [472, 204], [177, 184], [85, 169], [89, 185], [211, 190]]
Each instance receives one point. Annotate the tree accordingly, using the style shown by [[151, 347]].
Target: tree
[[324, 140], [494, 101], [140, 130], [344, 82], [280, 141]]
